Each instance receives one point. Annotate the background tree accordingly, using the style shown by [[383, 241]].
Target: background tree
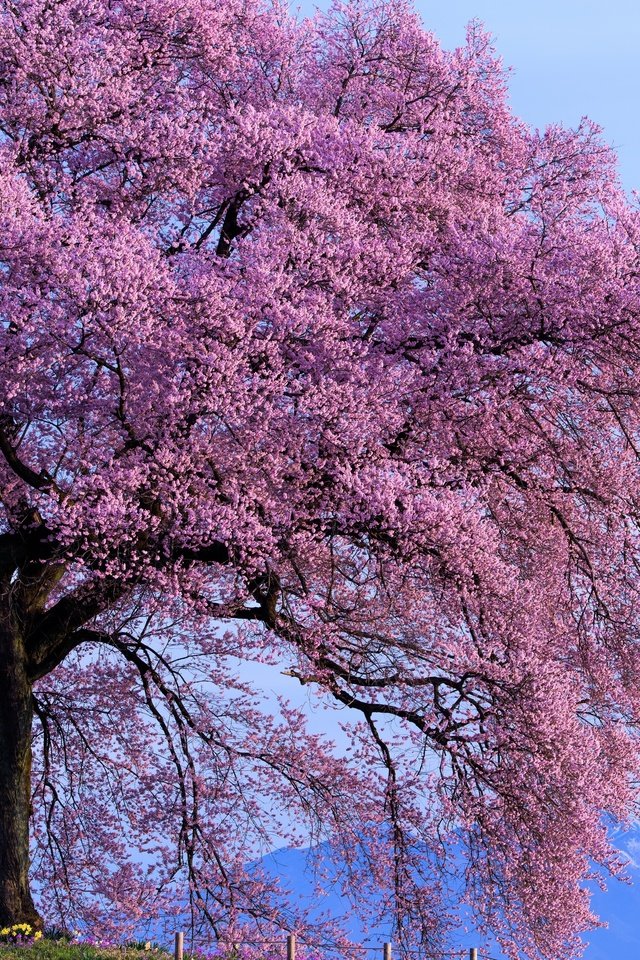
[[311, 353]]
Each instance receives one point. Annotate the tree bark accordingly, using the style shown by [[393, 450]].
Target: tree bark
[[16, 717]]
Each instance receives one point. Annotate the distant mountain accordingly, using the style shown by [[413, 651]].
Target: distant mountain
[[296, 868]]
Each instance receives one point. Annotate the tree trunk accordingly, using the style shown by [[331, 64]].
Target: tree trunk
[[16, 716]]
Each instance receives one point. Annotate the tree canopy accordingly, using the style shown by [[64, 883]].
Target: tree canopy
[[311, 353]]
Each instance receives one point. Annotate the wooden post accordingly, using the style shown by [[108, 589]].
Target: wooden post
[[179, 948], [386, 951], [291, 947], [473, 953]]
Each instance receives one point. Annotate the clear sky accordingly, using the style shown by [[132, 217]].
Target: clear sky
[[569, 59]]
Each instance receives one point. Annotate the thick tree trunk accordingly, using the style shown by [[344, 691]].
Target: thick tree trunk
[[16, 716]]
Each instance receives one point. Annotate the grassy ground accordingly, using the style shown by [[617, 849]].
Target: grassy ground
[[60, 950]]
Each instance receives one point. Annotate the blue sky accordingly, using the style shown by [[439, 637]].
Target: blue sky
[[569, 59]]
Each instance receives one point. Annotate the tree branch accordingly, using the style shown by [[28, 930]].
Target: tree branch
[[215, 552], [53, 635], [39, 481], [31, 542]]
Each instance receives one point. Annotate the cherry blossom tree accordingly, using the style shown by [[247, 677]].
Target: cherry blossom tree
[[312, 354]]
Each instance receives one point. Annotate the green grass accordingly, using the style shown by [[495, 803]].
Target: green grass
[[60, 950]]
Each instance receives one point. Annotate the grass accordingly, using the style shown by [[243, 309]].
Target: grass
[[60, 950]]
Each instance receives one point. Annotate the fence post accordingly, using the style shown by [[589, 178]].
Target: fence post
[[473, 953], [386, 951], [291, 947], [179, 947]]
